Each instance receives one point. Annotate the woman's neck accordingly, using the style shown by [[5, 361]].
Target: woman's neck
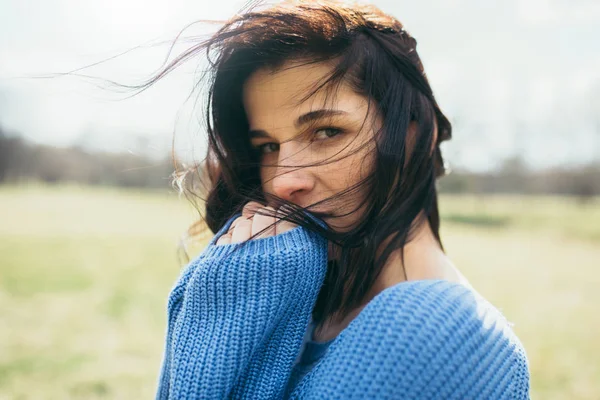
[[423, 259]]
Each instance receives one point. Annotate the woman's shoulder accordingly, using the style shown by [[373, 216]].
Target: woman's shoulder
[[436, 335], [434, 297], [441, 307]]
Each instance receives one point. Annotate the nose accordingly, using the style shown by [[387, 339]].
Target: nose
[[293, 178]]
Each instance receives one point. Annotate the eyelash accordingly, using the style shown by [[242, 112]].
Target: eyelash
[[327, 128]]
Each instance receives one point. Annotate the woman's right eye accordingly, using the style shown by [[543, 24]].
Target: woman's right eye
[[267, 148]]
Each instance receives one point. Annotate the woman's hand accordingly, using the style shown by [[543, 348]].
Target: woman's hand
[[251, 222]]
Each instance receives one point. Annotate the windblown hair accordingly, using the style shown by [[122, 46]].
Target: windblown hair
[[372, 52]]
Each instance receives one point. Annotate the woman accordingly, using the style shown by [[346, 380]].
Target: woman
[[327, 277]]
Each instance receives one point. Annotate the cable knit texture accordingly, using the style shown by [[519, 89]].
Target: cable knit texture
[[237, 317]]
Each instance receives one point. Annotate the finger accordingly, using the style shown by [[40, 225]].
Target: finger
[[262, 222], [250, 209], [242, 231], [233, 224], [224, 239], [282, 225]]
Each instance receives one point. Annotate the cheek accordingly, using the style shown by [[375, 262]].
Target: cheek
[[343, 174], [352, 169], [266, 179]]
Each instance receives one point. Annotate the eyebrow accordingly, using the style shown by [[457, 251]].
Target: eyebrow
[[301, 120]]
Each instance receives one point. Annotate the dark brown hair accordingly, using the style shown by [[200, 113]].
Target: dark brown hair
[[375, 54]]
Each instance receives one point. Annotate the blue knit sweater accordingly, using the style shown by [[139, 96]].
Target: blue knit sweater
[[236, 320]]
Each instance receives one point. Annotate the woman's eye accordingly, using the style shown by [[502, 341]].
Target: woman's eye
[[267, 148], [320, 134], [325, 133]]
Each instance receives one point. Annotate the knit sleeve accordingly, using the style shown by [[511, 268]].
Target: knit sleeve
[[423, 340], [236, 318]]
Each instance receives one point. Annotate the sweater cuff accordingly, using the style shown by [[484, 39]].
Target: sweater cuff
[[296, 239]]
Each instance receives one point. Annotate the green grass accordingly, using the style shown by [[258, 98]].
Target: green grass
[[84, 276], [567, 217]]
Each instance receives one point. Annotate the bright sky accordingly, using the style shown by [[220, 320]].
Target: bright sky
[[513, 75]]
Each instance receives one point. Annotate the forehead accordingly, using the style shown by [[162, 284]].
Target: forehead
[[274, 97]]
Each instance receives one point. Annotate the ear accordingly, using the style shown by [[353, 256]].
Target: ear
[[411, 139], [434, 141]]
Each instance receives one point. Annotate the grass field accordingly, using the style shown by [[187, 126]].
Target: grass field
[[84, 276]]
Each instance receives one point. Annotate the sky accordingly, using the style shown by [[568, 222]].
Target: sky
[[514, 76]]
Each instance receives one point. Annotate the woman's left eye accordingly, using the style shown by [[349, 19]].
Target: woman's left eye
[[325, 133]]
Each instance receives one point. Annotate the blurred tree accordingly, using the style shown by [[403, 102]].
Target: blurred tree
[[12, 150]]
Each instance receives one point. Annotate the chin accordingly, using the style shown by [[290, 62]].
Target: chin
[[341, 224]]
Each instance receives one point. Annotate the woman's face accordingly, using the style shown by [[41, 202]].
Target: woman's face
[[327, 128]]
